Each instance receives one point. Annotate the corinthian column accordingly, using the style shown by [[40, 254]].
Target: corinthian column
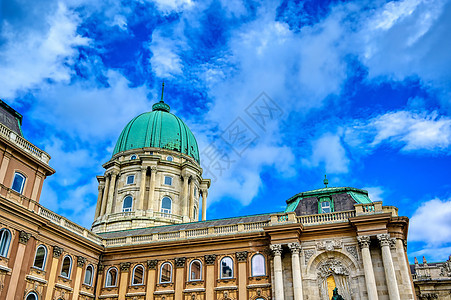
[[142, 188], [389, 269], [204, 204], [364, 242], [278, 277], [105, 195], [109, 207], [185, 195], [296, 267], [99, 201], [151, 202]]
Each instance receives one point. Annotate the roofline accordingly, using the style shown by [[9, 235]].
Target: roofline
[[12, 111], [325, 191]]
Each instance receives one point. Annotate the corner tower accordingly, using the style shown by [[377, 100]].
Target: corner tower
[[154, 176]]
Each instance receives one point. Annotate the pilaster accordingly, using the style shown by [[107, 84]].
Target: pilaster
[[241, 257], [15, 274], [210, 276]]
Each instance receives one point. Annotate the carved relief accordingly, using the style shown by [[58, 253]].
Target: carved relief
[[81, 261], [308, 254], [332, 266], [152, 264], [364, 241], [57, 251], [392, 243], [241, 256], [210, 259], [180, 262], [329, 245], [446, 268], [24, 237], [125, 266], [384, 239], [353, 251], [276, 249]]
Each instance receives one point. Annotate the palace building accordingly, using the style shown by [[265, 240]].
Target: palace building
[[151, 239]]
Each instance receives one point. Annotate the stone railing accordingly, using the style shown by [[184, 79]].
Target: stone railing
[[24, 144], [368, 208], [334, 217]]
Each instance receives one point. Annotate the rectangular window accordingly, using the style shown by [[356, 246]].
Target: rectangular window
[[130, 179], [325, 207], [167, 180]]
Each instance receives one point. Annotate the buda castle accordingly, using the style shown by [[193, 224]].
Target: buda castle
[[151, 238]]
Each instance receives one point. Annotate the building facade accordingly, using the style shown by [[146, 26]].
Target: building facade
[[150, 238]]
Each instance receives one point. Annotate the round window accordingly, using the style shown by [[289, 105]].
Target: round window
[[170, 158]]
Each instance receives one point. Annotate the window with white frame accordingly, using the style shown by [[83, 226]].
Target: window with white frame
[[127, 204], [166, 205], [18, 182], [168, 180], [325, 207], [166, 272], [226, 266], [88, 275], [111, 277], [138, 275], [195, 270], [130, 179], [66, 267], [40, 257], [258, 265], [5, 241]]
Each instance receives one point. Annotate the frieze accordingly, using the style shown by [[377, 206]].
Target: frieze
[[125, 266], [276, 249], [364, 241], [241, 256], [428, 296], [295, 248], [180, 262], [24, 237], [332, 266], [308, 254], [152, 264], [81, 261], [353, 251], [210, 259], [329, 245], [57, 251]]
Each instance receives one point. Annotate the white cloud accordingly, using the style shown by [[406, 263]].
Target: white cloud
[[165, 61], [431, 223], [328, 151], [375, 193], [168, 6]]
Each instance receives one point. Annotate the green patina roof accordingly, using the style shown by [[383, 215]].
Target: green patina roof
[[360, 196], [160, 129]]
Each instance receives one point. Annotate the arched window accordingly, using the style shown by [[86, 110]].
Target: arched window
[[166, 205], [258, 265], [226, 267], [138, 275], [18, 182], [195, 213], [5, 241], [111, 277], [195, 270], [88, 275], [166, 273], [40, 257], [32, 296], [67, 266], [127, 205]]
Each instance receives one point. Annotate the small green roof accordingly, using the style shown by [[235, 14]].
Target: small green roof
[[160, 129]]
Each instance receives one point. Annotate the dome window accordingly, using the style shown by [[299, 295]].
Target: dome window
[[127, 205], [167, 180], [166, 205], [133, 157], [130, 179], [170, 158]]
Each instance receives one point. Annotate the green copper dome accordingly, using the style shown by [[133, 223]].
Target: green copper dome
[[160, 129]]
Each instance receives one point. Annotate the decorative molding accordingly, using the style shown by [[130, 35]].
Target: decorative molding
[[81, 261], [180, 262], [276, 249], [210, 259], [353, 251], [384, 239], [308, 254], [330, 266], [295, 248], [428, 296], [329, 245], [57, 251], [64, 287], [241, 256], [38, 279], [392, 243], [364, 241], [101, 268], [4, 269], [152, 264], [24, 237], [125, 266]]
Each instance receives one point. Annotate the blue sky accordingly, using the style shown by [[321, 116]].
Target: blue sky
[[358, 90]]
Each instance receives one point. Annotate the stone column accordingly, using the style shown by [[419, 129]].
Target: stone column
[[15, 273], [151, 278], [278, 276], [241, 257], [105, 195], [185, 198], [123, 285], [407, 279], [210, 277], [57, 251], [179, 277], [364, 242], [80, 264], [142, 189], [389, 269], [109, 206], [204, 204], [296, 267], [191, 198], [99, 201], [153, 202], [4, 167]]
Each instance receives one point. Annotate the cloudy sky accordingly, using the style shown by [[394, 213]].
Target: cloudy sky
[[359, 91]]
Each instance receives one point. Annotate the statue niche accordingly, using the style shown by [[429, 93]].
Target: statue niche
[[333, 274]]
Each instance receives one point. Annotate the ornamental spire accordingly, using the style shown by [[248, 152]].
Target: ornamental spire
[[162, 91], [161, 106], [325, 181]]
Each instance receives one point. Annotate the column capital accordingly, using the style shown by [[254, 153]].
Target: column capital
[[276, 249], [81, 261], [295, 248], [152, 264], [241, 256], [364, 241], [210, 259], [24, 237], [57, 251], [125, 266], [384, 239], [180, 262]]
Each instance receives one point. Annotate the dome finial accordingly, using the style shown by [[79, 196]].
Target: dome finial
[[325, 181], [162, 91]]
